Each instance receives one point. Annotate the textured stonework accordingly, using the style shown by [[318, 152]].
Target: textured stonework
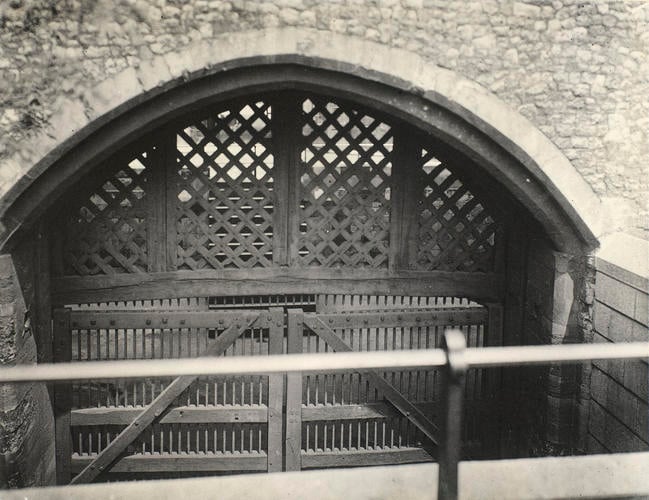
[[26, 422], [577, 70]]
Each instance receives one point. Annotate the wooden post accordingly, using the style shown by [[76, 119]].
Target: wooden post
[[286, 128], [294, 394], [404, 218], [156, 203], [62, 397], [275, 392], [491, 420], [453, 396]]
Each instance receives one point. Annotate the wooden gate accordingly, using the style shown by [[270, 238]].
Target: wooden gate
[[373, 418], [207, 425], [364, 221], [187, 425]]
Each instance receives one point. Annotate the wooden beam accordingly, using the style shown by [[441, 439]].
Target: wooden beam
[[62, 397], [108, 455], [448, 317], [275, 393], [274, 281], [365, 457], [171, 462], [293, 434], [221, 414], [91, 320], [156, 205], [319, 413], [410, 411]]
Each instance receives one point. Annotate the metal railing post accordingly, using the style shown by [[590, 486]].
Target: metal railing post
[[450, 448]]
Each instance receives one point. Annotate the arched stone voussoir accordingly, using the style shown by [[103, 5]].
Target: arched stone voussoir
[[74, 121]]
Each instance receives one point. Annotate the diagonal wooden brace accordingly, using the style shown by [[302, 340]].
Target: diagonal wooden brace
[[410, 411], [109, 454]]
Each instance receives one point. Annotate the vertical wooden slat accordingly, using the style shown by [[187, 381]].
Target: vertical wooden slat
[[275, 392], [293, 458], [171, 196], [293, 115], [62, 397], [156, 176]]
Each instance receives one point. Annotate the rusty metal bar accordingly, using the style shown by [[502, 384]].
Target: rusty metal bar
[[289, 363]]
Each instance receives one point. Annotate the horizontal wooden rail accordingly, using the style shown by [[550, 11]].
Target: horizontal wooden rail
[[181, 462], [96, 320], [292, 363], [221, 414]]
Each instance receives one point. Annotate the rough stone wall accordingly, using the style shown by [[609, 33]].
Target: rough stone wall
[[26, 420], [577, 69]]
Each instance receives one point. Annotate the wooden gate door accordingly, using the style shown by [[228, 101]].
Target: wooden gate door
[[156, 428], [373, 418]]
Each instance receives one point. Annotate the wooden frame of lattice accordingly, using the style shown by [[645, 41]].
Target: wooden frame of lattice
[[284, 181]]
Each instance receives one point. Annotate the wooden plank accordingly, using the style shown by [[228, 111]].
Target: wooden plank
[[220, 414], [410, 411], [315, 413], [62, 397], [490, 423], [84, 319], [616, 295], [273, 281], [366, 457], [156, 206], [170, 167], [625, 276], [401, 217], [612, 433], [293, 433], [275, 393], [168, 462], [285, 116], [617, 327], [624, 405], [454, 316], [155, 409]]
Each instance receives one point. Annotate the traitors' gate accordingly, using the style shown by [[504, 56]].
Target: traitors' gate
[[271, 223]]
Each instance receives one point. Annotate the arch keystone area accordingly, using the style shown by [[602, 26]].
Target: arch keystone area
[[75, 121]]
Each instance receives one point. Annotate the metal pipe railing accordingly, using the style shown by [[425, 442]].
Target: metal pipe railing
[[481, 357], [454, 357]]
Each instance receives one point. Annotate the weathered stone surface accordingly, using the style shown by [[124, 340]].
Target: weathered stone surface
[[26, 422], [572, 64]]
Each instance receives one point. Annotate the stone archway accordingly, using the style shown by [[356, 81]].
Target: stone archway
[[503, 144], [546, 182]]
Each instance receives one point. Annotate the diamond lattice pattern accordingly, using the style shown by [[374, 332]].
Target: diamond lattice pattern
[[224, 190], [456, 233], [106, 233], [345, 171]]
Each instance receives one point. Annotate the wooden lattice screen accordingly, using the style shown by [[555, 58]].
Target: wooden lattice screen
[[282, 180], [223, 190], [345, 187], [104, 231], [455, 231]]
